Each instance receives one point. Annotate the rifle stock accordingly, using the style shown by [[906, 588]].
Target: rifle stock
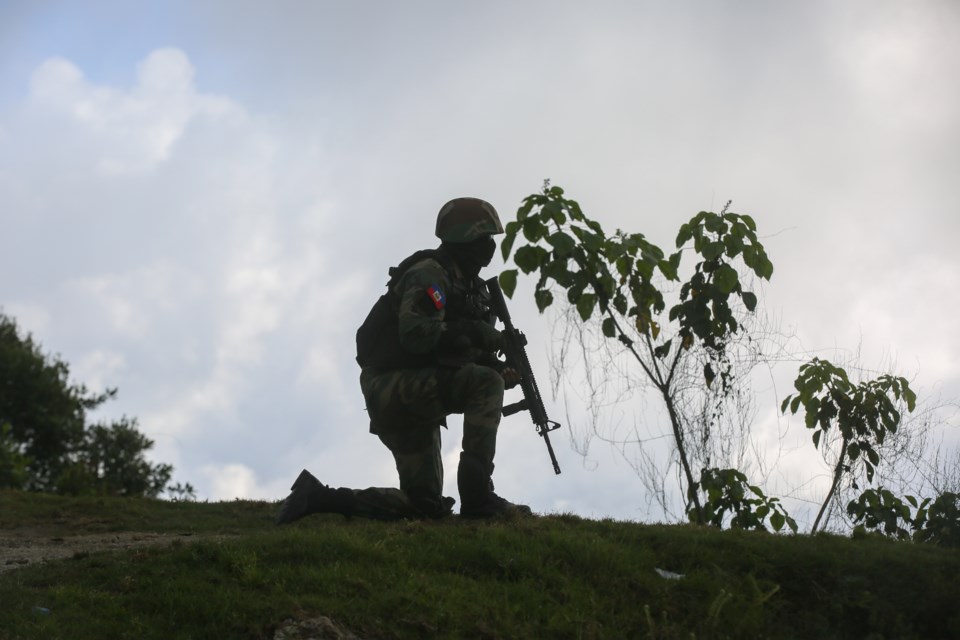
[[516, 353]]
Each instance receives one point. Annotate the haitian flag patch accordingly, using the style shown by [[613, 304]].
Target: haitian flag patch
[[436, 296]]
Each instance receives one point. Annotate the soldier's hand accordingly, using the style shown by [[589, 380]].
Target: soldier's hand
[[482, 336], [511, 377]]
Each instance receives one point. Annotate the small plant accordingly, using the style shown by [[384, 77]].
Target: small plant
[[935, 521], [942, 523], [727, 491], [182, 492], [615, 279], [863, 413], [878, 509]]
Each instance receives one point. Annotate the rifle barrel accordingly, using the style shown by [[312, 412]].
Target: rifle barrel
[[517, 353]]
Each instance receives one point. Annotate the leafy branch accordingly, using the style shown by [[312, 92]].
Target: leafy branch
[[613, 278]]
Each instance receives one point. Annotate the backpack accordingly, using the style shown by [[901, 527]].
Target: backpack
[[378, 338]]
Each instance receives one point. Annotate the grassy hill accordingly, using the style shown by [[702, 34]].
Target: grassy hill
[[228, 572]]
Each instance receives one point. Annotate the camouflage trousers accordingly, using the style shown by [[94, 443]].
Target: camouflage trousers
[[407, 408]]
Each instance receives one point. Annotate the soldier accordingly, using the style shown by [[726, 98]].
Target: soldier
[[427, 350]]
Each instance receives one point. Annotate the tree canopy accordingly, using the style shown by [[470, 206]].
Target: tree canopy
[[46, 443]]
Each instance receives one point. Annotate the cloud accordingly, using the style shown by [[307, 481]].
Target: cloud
[[127, 131], [211, 252], [231, 481], [170, 234]]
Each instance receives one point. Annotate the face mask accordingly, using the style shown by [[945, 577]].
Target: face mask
[[472, 256]]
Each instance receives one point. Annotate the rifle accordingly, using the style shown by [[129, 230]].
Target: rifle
[[514, 347]]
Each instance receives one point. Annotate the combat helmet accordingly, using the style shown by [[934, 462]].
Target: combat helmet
[[466, 219]]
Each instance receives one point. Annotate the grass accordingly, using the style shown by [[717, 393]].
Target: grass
[[550, 577]]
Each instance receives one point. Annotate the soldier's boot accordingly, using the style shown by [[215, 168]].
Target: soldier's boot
[[477, 497], [309, 495], [430, 506]]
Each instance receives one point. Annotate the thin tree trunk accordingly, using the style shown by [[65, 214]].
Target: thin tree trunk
[[681, 449], [837, 473]]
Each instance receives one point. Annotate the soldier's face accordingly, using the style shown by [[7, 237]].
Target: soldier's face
[[489, 247]]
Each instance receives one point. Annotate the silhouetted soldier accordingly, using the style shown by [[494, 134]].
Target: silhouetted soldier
[[427, 350]]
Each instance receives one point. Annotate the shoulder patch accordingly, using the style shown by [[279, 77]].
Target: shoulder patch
[[437, 297]]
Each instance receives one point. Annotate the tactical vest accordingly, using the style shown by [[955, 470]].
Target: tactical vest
[[378, 338]]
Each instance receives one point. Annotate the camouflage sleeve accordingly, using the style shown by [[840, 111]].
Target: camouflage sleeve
[[423, 289]]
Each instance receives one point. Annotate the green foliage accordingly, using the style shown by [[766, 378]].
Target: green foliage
[[182, 492], [46, 444], [615, 279], [615, 275], [878, 509], [569, 250], [863, 413], [45, 411], [704, 310], [940, 524], [13, 463], [933, 521], [111, 462], [728, 492]]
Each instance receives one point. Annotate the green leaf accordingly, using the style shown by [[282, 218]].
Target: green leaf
[[792, 524], [783, 405], [816, 438], [509, 239], [708, 374], [749, 300], [668, 270], [557, 269], [764, 266], [524, 211], [562, 243], [675, 261], [620, 303], [684, 235], [777, 520], [726, 279], [508, 282], [527, 258], [810, 417], [910, 397], [750, 223], [795, 404], [585, 305], [714, 223], [712, 250], [609, 328], [663, 350], [543, 298], [853, 450], [733, 244], [533, 229]]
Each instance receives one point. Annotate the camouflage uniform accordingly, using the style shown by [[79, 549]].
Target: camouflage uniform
[[434, 357], [407, 406]]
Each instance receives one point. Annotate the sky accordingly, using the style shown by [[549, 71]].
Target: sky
[[200, 200]]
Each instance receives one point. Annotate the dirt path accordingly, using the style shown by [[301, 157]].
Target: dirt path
[[23, 548]]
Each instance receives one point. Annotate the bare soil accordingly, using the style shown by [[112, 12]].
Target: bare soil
[[26, 547]]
